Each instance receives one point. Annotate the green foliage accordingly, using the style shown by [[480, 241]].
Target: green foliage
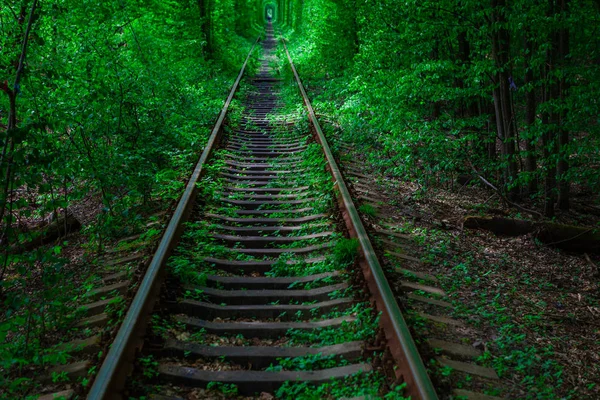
[[345, 252], [225, 388], [149, 366], [413, 83], [307, 363], [289, 265], [530, 361], [129, 97], [368, 209], [27, 319], [370, 385], [115, 103], [363, 327], [328, 37]]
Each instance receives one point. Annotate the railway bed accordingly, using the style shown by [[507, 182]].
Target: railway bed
[[265, 282]]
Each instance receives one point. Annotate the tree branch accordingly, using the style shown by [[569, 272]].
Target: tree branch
[[12, 117], [487, 183], [21, 66]]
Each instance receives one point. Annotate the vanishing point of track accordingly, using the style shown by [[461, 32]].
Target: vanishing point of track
[[262, 215]]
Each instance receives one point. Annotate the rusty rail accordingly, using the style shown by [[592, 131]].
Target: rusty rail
[[119, 361], [399, 340]]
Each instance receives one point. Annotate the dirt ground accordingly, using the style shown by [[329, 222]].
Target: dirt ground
[[534, 309]]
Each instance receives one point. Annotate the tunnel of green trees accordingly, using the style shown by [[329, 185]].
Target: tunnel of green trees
[[113, 101], [503, 89]]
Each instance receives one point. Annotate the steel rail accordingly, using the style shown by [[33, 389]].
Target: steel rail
[[400, 342], [118, 363]]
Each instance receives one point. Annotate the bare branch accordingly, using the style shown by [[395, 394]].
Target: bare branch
[[487, 183], [21, 66]]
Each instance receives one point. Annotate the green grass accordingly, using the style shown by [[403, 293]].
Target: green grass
[[368, 210], [371, 385]]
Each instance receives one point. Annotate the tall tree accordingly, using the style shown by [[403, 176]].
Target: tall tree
[[12, 92], [530, 113], [556, 136], [505, 120], [563, 87]]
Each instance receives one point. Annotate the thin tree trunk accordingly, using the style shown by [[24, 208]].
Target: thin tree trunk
[[563, 138], [530, 115], [205, 24], [549, 142], [502, 99], [436, 105], [469, 107], [556, 137], [464, 56], [509, 144], [12, 114]]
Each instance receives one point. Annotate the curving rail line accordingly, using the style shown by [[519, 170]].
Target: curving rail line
[[268, 210], [399, 340]]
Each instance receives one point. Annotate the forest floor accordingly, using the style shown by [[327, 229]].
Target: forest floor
[[57, 279], [535, 310]]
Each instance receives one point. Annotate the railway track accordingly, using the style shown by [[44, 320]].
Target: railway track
[[256, 288]]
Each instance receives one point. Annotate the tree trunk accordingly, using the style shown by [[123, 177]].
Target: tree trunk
[[566, 237], [550, 120], [502, 98], [556, 137], [12, 94], [530, 115], [550, 166], [469, 106], [436, 108], [491, 147], [563, 135], [61, 226], [205, 24]]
